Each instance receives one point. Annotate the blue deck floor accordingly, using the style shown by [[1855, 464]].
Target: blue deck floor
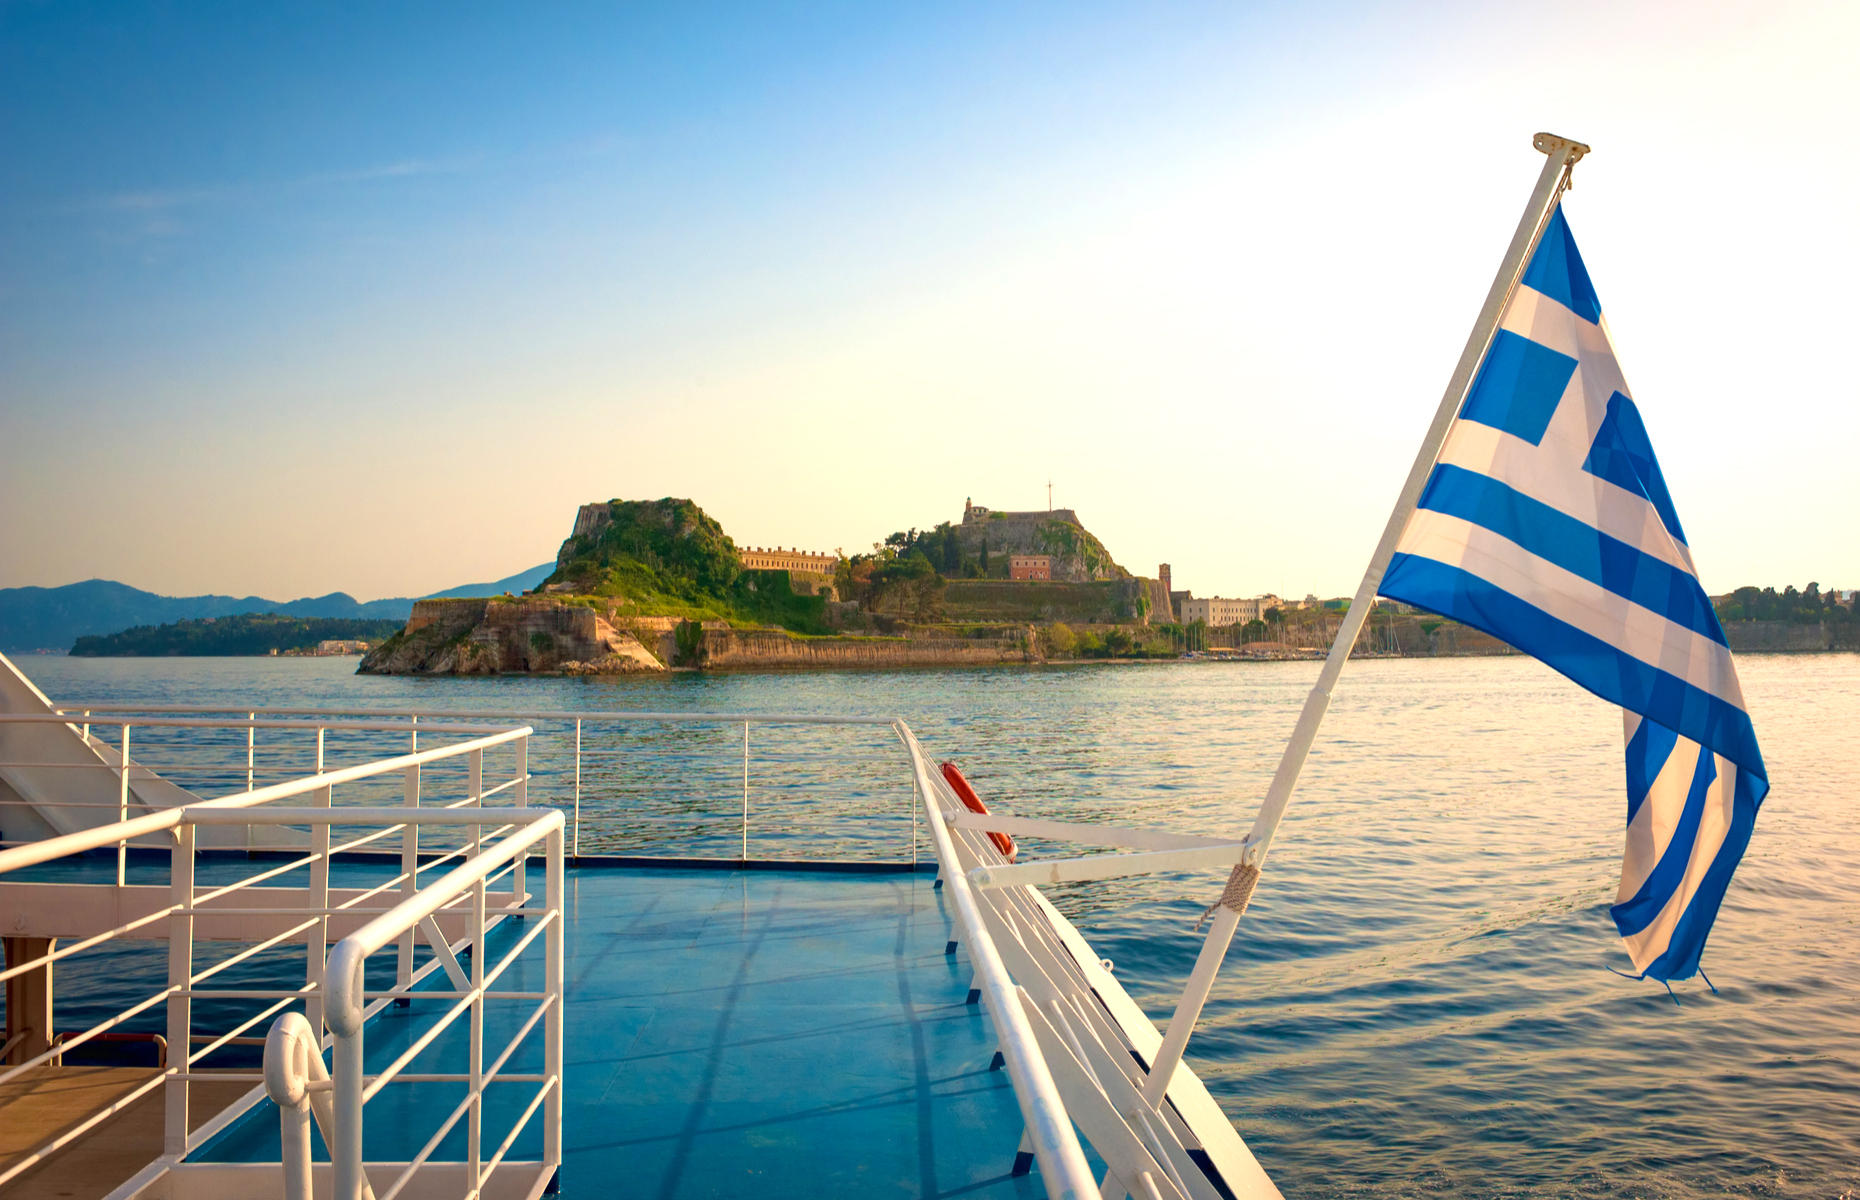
[[740, 1033]]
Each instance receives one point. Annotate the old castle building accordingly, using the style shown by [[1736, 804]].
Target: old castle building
[[756, 558], [972, 512]]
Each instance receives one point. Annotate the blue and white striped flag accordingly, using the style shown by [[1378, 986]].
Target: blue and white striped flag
[[1546, 523]]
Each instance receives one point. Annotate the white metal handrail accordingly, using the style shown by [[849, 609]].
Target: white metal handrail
[[414, 720], [33, 853], [186, 902], [1052, 1058], [1063, 1168], [346, 1003]]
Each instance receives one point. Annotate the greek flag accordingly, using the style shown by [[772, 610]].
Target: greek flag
[[1546, 523]]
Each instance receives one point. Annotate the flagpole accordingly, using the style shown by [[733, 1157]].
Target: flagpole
[[1562, 154]]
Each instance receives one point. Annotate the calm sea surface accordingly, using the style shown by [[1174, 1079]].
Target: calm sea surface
[[1419, 1001]]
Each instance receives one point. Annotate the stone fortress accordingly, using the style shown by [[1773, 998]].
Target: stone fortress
[[1072, 554]]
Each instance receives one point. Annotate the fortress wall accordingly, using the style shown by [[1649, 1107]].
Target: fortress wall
[[768, 649], [1784, 637], [999, 600], [445, 612]]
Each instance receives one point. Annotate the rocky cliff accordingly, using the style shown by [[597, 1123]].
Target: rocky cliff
[[489, 637]]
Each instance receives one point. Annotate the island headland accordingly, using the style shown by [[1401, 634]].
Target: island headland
[[646, 586]]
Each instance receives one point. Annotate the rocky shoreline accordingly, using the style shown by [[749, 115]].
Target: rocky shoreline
[[581, 636]]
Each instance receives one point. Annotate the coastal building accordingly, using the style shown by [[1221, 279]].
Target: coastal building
[[1036, 567], [756, 558], [1216, 610]]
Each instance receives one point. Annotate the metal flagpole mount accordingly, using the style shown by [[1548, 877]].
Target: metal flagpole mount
[[1550, 143], [1225, 913], [1568, 149]]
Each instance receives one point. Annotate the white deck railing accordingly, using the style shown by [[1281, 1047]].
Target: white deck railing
[[578, 755], [1073, 1043], [259, 919]]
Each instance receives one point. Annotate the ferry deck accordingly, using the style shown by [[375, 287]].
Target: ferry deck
[[406, 955]]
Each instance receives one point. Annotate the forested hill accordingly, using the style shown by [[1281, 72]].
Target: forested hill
[[1811, 606], [243, 634]]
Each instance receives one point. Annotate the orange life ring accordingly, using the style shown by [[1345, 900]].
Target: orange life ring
[[953, 775]]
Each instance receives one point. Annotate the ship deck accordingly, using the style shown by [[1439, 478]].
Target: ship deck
[[781, 1033]]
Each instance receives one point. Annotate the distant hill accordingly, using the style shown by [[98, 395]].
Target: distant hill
[[245, 634], [516, 585], [36, 618]]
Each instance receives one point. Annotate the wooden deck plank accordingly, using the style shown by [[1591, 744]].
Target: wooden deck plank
[[43, 1103]]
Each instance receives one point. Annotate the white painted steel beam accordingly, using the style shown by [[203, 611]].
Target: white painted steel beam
[[108, 835], [1063, 1168], [1069, 831], [81, 910], [1107, 866]]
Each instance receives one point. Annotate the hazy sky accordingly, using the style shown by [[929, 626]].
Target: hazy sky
[[298, 298]]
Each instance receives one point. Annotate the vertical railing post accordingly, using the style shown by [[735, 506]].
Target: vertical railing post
[[745, 791], [474, 1133], [180, 980], [474, 789], [251, 748], [409, 875], [520, 876], [316, 939], [122, 808], [555, 942], [577, 835], [346, 1155]]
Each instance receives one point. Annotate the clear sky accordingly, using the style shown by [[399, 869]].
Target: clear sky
[[297, 298]]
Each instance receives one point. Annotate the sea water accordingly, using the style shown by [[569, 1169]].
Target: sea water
[[1419, 1001]]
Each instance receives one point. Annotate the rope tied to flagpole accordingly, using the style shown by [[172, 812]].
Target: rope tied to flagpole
[[1237, 893]]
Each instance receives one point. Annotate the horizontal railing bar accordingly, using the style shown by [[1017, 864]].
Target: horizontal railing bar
[[90, 1033], [310, 990], [232, 1036], [344, 970], [286, 912], [55, 718], [458, 1009], [488, 995], [463, 1005], [516, 1039], [542, 1093], [432, 1144], [109, 835], [240, 957], [1106, 866], [86, 944], [733, 718], [1096, 835], [194, 814], [297, 864]]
